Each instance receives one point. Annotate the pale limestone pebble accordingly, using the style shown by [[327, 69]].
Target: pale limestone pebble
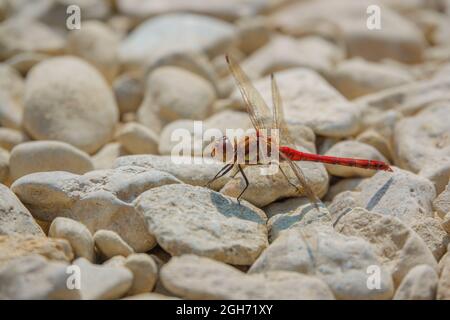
[[11, 82], [99, 199], [304, 215], [228, 120], [425, 136], [227, 10], [398, 246], [443, 290], [181, 138], [266, 187], [281, 53], [442, 202], [437, 170], [40, 156], [96, 43], [357, 77], [4, 166], [407, 99], [103, 282], [79, 237], [399, 38], [285, 206], [15, 217], [193, 277], [145, 273], [432, 231], [148, 116], [373, 138], [19, 35], [383, 122], [195, 171], [419, 284], [121, 24], [81, 104], [35, 278], [11, 111], [137, 138], [107, 155], [340, 261], [179, 94], [347, 184], [353, 149], [19, 245], [253, 33], [9, 138], [129, 92], [317, 105], [178, 32], [24, 61], [110, 244], [187, 219], [150, 296]]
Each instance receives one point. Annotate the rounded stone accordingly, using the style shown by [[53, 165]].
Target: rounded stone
[[110, 244]]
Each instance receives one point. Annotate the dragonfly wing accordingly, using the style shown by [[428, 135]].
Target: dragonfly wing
[[257, 109]]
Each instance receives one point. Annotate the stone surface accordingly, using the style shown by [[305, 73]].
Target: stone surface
[[15, 246], [4, 165], [340, 261], [106, 156], [66, 99], [145, 273], [419, 284], [193, 277], [137, 139], [188, 219], [110, 244], [9, 138], [40, 156], [129, 92], [14, 217], [99, 199], [102, 282], [442, 206], [35, 278], [443, 290], [398, 246], [353, 149], [79, 237]]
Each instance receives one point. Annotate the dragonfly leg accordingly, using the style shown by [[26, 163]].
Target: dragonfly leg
[[220, 174], [246, 183], [289, 181]]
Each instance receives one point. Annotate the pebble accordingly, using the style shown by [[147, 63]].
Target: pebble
[[442, 206], [41, 156], [419, 284], [145, 273], [129, 92], [82, 105], [4, 165], [9, 138], [103, 282], [20, 245], [443, 290], [35, 278], [340, 261], [99, 199], [399, 248], [188, 219], [79, 237], [353, 149], [137, 139], [110, 244], [193, 277], [15, 217], [174, 139], [107, 155]]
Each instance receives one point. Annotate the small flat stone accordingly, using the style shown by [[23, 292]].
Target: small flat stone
[[110, 244]]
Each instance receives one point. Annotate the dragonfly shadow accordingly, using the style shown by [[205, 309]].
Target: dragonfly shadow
[[379, 194], [230, 208]]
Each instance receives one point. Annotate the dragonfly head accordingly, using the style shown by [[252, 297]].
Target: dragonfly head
[[222, 149]]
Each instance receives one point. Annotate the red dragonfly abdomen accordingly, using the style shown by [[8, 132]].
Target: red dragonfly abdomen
[[296, 155]]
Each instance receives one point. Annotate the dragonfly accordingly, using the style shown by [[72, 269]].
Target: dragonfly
[[265, 123]]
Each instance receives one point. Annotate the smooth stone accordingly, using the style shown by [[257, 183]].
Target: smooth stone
[[11, 111], [103, 282], [353, 149], [347, 184], [107, 155], [373, 138], [15, 246], [9, 138], [35, 278], [419, 284], [193, 277], [40, 156], [15, 217], [83, 108], [4, 166], [129, 92], [443, 290], [11, 82], [79, 237], [399, 248], [442, 206], [187, 219], [340, 261], [137, 139], [145, 273], [110, 244]]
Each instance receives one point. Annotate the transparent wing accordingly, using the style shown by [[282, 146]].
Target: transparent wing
[[257, 109]]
